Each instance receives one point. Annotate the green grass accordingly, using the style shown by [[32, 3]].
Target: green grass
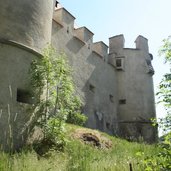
[[78, 156]]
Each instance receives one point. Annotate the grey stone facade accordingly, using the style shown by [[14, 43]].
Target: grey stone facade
[[116, 87]]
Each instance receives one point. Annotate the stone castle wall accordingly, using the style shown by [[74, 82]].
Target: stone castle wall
[[25, 30], [94, 78], [115, 83], [122, 100]]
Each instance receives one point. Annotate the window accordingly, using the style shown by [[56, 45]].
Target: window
[[91, 88], [24, 96], [111, 98], [120, 63], [107, 125], [68, 30], [122, 101]]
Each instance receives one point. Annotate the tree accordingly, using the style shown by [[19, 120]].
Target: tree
[[54, 92], [164, 93]]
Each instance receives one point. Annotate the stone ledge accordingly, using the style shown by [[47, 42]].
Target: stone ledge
[[20, 45]]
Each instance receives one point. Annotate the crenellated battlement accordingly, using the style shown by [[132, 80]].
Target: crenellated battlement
[[102, 49], [84, 34], [64, 19], [116, 43], [63, 16]]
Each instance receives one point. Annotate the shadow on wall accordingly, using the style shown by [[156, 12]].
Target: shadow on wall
[[18, 121], [74, 45], [99, 94], [137, 131]]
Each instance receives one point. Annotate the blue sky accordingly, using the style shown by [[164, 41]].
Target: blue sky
[[149, 18]]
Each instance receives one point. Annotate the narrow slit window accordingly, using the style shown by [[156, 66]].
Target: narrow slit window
[[91, 88], [68, 30], [111, 98], [107, 125]]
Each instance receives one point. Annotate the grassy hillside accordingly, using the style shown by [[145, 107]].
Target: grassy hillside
[[94, 152]]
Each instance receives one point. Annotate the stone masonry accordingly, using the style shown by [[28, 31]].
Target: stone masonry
[[114, 83]]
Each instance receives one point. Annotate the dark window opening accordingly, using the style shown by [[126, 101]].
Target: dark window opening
[[111, 98], [122, 101], [91, 88], [119, 63], [107, 125], [67, 29], [24, 96]]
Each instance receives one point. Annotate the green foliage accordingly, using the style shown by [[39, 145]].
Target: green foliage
[[78, 156], [55, 131], [75, 116], [54, 94], [28, 161], [166, 50], [52, 83], [119, 157], [160, 161], [77, 119], [164, 93]]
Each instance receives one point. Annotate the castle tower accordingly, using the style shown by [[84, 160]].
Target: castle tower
[[26, 22], [25, 29], [135, 88]]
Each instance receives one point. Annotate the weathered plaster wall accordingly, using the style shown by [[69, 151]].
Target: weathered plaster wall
[[28, 22], [119, 97], [14, 69], [25, 30], [135, 86], [94, 78]]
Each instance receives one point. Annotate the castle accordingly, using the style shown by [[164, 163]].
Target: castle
[[116, 86]]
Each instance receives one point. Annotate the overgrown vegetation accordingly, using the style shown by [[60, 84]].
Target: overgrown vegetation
[[54, 94], [79, 156]]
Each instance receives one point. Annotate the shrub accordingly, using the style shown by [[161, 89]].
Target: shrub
[[54, 90], [77, 119]]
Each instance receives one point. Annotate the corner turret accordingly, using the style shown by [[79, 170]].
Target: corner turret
[[24, 32], [27, 22]]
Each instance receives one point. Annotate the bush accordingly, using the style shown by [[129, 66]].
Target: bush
[[77, 119], [52, 84]]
